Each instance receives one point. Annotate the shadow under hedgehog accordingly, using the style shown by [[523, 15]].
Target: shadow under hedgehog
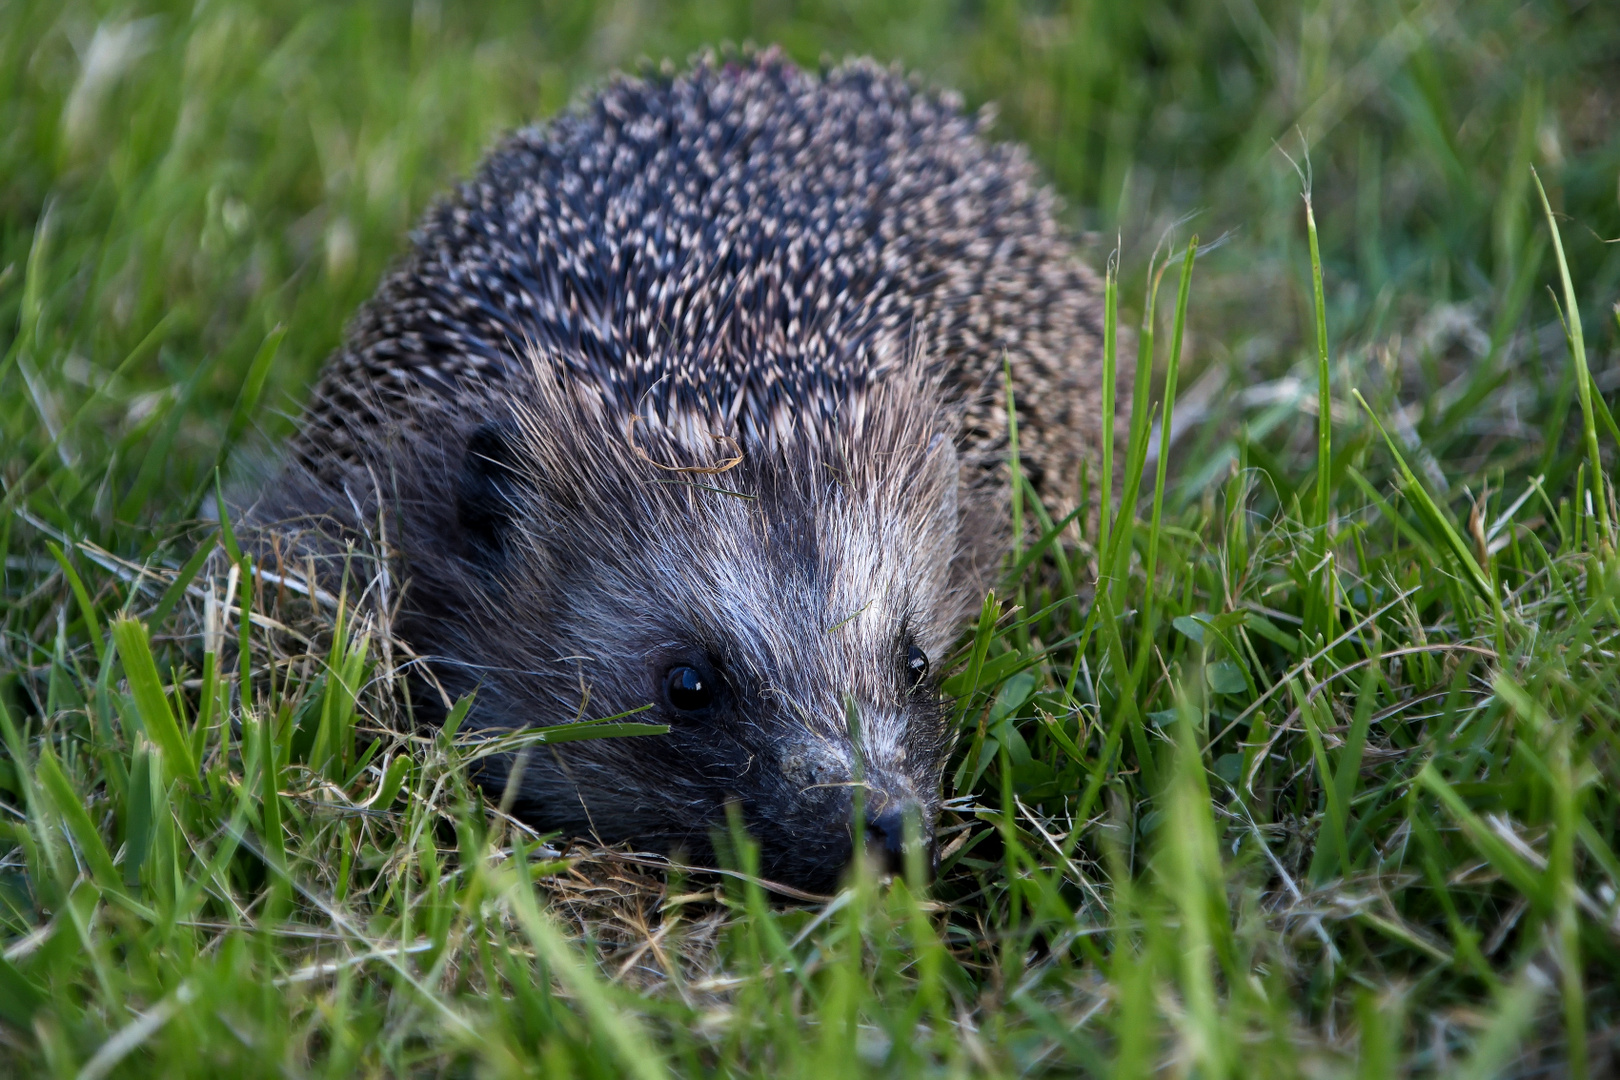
[[693, 398]]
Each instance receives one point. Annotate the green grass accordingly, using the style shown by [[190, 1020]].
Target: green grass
[[1301, 761]]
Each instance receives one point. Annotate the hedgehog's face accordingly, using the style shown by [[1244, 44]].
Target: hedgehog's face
[[788, 627]]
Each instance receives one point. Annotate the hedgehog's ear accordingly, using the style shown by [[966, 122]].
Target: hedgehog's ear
[[488, 489]]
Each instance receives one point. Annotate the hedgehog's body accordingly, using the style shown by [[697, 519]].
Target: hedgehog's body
[[819, 277]]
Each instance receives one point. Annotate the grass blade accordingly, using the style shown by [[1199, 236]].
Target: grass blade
[[1110, 361], [612, 1026], [71, 808], [87, 609], [1583, 376], [247, 399], [135, 650], [1167, 418], [1431, 512], [1324, 399], [1507, 863]]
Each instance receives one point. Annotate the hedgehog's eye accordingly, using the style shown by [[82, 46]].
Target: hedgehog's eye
[[916, 667], [688, 689]]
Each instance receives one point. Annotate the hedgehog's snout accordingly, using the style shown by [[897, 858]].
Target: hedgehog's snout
[[895, 831], [889, 823], [872, 806]]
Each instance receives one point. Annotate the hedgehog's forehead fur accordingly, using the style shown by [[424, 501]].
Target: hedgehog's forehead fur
[[808, 563]]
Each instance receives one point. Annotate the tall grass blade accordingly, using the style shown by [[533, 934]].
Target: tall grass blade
[[247, 399], [72, 811], [135, 650], [1324, 399], [1583, 376], [616, 1030], [1431, 512], [1507, 862], [1166, 430], [1192, 875], [1110, 361], [92, 624]]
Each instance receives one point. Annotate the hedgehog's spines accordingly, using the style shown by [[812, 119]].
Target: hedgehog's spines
[[743, 225]]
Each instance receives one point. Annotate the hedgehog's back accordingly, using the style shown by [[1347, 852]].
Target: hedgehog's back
[[741, 248]]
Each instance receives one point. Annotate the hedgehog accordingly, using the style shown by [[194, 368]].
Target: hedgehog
[[693, 404]]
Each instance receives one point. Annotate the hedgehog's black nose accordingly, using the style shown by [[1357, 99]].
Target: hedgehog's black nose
[[886, 835]]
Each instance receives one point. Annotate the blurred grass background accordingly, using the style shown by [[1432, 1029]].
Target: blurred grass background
[[181, 183]]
